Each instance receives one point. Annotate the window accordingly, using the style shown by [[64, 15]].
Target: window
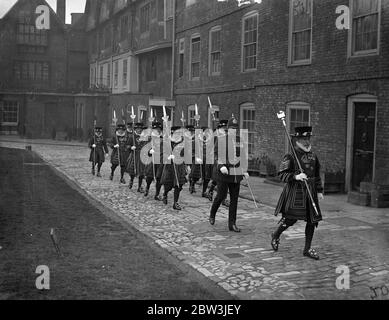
[[151, 68], [195, 58], [247, 119], [125, 66], [297, 115], [92, 76], [31, 70], [109, 75], [145, 18], [191, 115], [300, 45], [101, 75], [365, 26], [249, 51], [212, 123], [169, 9], [181, 51], [9, 111], [28, 34], [116, 74], [142, 114], [123, 27], [107, 37], [214, 51]]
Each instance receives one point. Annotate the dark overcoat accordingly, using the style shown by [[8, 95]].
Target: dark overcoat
[[122, 150]]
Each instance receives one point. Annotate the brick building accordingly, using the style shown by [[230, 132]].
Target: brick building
[[254, 60], [130, 54], [41, 71]]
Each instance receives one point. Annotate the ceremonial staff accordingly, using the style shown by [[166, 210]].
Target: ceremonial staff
[[197, 119], [133, 116], [281, 116], [115, 121], [165, 120], [151, 120], [94, 143]]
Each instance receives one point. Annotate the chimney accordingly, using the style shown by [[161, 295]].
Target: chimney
[[61, 10]]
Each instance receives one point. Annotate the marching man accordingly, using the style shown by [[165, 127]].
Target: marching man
[[98, 146], [295, 202], [119, 152]]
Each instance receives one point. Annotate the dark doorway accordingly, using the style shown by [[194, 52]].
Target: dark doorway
[[363, 145]]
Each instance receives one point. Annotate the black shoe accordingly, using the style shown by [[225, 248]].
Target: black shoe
[[111, 177], [176, 206], [146, 192], [204, 195], [274, 242], [130, 185], [226, 203], [164, 199], [234, 228], [93, 171], [140, 190], [210, 196], [211, 221], [99, 174], [311, 253], [157, 198]]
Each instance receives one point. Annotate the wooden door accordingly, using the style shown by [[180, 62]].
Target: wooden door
[[363, 145]]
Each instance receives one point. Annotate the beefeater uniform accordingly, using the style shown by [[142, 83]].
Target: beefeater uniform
[[97, 154], [135, 166], [174, 174], [294, 203], [195, 167], [119, 154], [152, 170]]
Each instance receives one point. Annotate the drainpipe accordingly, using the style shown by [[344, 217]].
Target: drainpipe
[[173, 49]]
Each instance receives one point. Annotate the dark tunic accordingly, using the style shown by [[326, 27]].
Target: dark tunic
[[135, 166], [170, 170], [123, 150], [235, 174], [195, 168], [101, 149], [157, 171], [294, 202]]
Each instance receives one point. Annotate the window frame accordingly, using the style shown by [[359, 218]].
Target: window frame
[[249, 15], [297, 105], [144, 26], [191, 120], [116, 74], [351, 53], [125, 73], [194, 36], [250, 106], [210, 119], [181, 53], [2, 113], [291, 62], [210, 52]]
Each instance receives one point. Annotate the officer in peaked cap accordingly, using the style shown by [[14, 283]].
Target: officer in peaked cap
[[98, 146]]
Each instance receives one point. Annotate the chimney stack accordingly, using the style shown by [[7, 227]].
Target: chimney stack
[[61, 10]]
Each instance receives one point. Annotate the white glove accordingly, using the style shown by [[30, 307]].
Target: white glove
[[188, 169], [107, 154], [133, 148], [301, 177], [320, 196], [93, 146], [171, 157], [199, 160], [246, 175], [116, 146], [224, 170], [152, 151]]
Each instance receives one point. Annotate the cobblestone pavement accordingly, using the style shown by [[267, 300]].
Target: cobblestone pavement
[[244, 263]]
